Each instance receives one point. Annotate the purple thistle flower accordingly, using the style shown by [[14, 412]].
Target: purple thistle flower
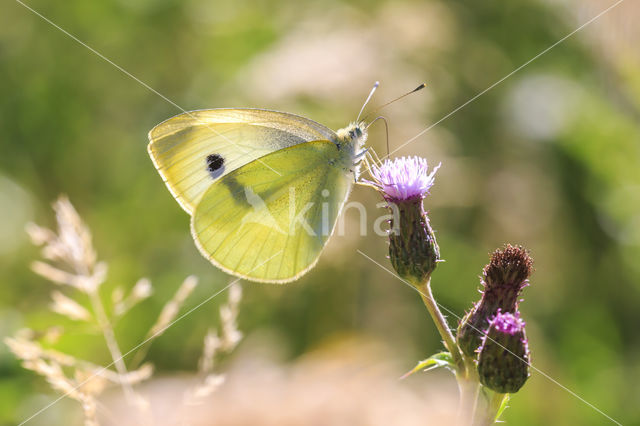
[[507, 323], [503, 280], [503, 360], [403, 178], [404, 182]]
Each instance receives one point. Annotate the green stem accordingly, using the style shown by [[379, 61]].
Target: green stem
[[476, 398], [442, 326], [489, 404], [497, 399], [469, 390]]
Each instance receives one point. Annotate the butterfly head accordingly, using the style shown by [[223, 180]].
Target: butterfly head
[[352, 137]]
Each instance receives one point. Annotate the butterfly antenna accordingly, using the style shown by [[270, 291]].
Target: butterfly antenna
[[375, 86], [422, 86]]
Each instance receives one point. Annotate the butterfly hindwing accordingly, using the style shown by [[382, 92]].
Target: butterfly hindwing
[[269, 220], [194, 149]]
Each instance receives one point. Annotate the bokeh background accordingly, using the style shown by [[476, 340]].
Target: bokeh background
[[548, 159]]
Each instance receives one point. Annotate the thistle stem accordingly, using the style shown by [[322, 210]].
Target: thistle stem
[[424, 289], [476, 397], [495, 403], [469, 392]]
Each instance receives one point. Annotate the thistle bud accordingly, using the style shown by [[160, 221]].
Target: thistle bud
[[503, 279], [404, 183], [503, 361]]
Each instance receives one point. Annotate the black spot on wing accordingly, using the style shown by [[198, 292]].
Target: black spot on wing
[[215, 165]]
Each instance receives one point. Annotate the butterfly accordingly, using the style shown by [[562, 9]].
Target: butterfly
[[264, 189]]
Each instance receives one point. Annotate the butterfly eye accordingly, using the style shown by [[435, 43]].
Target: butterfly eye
[[215, 165], [352, 134]]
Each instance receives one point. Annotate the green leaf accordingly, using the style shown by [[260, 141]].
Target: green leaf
[[441, 359], [503, 406]]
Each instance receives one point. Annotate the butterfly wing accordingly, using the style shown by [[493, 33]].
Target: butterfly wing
[[194, 149], [271, 228]]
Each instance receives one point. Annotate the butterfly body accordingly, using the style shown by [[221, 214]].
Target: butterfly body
[[264, 188]]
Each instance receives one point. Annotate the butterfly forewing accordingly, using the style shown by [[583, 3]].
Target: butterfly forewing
[[194, 149]]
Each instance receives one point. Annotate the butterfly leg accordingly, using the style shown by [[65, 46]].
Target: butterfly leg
[[361, 154], [373, 157]]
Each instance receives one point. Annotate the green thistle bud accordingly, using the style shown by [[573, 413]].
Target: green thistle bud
[[413, 249], [503, 279], [404, 183], [503, 360]]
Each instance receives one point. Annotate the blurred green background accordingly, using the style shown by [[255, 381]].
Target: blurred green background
[[548, 159]]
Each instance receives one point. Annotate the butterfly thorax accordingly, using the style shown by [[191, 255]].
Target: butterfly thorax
[[349, 141]]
